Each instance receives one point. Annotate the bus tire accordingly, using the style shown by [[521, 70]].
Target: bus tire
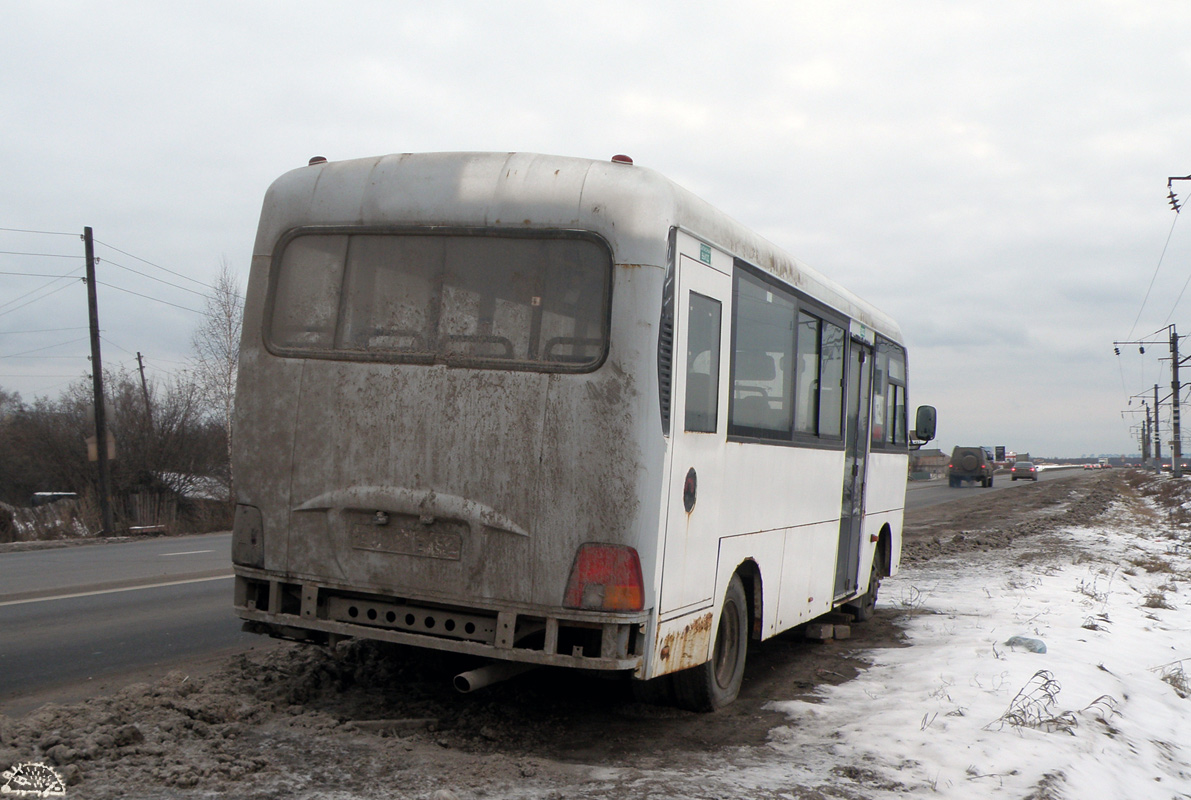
[[715, 684], [866, 605]]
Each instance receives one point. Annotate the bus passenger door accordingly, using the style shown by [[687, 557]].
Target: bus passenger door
[[699, 417], [855, 460]]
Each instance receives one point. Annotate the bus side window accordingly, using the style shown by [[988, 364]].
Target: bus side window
[[896, 414], [702, 364], [889, 396], [877, 421], [831, 382]]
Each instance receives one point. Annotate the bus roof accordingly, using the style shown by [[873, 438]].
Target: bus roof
[[632, 207]]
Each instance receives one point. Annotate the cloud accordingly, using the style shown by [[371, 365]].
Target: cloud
[[993, 178]]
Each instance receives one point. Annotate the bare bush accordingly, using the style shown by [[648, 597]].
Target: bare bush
[[168, 450]]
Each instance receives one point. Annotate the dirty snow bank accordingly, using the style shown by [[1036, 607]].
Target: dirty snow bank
[[1103, 713]]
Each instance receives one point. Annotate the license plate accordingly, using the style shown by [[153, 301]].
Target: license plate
[[406, 542]]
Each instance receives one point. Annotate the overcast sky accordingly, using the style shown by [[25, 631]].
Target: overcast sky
[[991, 175]]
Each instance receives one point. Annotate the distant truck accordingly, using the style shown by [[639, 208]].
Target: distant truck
[[1022, 457]]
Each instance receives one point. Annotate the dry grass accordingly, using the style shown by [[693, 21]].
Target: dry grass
[[1178, 679], [1157, 600], [1151, 563], [1034, 706]]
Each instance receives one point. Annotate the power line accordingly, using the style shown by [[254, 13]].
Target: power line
[[118, 347], [47, 347], [38, 275], [1180, 297], [35, 299], [155, 299], [152, 278], [1154, 278], [45, 285], [150, 263], [46, 330], [165, 361], [39, 255], [46, 233]]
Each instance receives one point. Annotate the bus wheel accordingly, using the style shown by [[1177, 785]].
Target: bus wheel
[[715, 684], [866, 605]]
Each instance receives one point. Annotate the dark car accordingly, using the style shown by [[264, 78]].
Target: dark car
[[970, 464], [1024, 470]]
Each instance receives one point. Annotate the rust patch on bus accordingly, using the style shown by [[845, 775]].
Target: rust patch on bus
[[688, 647]]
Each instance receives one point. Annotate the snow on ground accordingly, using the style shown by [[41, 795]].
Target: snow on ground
[[1103, 713]]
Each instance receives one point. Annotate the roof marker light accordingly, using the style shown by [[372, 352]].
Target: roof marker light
[[317, 160], [622, 159]]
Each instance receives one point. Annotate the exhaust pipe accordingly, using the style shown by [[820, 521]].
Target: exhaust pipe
[[492, 673]]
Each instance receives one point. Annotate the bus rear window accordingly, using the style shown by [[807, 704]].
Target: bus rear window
[[517, 302]]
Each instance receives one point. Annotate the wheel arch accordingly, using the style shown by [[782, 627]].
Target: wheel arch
[[750, 575], [884, 552]]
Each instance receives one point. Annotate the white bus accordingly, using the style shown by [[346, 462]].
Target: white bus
[[555, 411]]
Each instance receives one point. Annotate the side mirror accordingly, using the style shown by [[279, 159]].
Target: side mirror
[[924, 424]]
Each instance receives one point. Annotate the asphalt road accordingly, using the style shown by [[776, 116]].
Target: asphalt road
[[930, 493], [74, 615]]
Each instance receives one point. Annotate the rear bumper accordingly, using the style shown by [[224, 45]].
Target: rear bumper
[[293, 608]]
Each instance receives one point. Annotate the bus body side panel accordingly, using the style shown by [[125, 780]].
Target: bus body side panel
[[802, 485], [884, 505], [808, 573]]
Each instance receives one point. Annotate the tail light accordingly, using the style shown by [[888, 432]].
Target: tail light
[[606, 577]]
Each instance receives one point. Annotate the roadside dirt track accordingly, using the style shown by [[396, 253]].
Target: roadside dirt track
[[380, 721]]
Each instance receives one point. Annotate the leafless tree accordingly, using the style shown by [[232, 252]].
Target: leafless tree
[[184, 452], [217, 348], [10, 403]]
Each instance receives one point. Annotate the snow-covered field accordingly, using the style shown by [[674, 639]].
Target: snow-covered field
[[1104, 712]]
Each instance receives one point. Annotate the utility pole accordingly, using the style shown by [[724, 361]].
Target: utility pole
[[1157, 436], [101, 427], [1176, 445], [145, 390], [1145, 435]]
